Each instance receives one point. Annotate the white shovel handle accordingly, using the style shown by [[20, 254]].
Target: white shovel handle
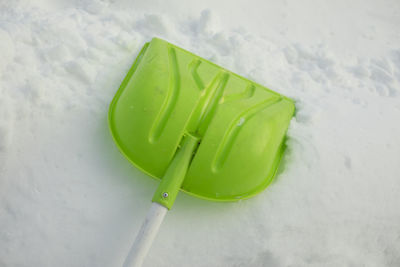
[[146, 235]]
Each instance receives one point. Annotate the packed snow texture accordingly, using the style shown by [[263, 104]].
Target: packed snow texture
[[69, 198]]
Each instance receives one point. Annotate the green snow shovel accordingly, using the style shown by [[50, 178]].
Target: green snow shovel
[[197, 128]]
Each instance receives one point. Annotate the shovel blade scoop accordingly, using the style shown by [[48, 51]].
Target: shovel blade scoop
[[169, 93]]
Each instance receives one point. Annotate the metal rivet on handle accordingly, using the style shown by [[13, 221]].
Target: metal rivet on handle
[[165, 195]]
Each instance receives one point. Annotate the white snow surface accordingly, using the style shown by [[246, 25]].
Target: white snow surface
[[69, 198]]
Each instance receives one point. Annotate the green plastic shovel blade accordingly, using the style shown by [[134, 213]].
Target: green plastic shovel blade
[[237, 126]]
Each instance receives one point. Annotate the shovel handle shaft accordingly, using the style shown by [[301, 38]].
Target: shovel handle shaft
[[163, 199], [146, 235]]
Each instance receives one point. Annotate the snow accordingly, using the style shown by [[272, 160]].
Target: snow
[[69, 198]]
